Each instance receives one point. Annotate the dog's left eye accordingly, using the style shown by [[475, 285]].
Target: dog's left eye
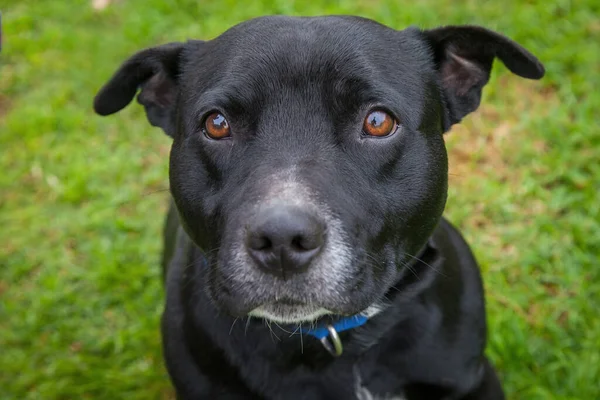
[[216, 126], [379, 123]]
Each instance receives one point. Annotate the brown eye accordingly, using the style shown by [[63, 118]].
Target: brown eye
[[379, 123], [216, 126]]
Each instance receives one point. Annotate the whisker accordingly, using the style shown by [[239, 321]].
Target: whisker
[[411, 269], [247, 324], [301, 340], [375, 262], [268, 323], [429, 265], [231, 329], [282, 328], [299, 328]]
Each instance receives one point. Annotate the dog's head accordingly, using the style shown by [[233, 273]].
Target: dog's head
[[308, 157]]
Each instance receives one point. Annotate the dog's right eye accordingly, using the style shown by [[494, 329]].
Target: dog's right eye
[[379, 123], [216, 126]]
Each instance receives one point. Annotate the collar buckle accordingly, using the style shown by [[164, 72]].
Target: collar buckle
[[332, 342]]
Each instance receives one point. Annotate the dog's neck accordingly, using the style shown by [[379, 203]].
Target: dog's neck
[[328, 332]]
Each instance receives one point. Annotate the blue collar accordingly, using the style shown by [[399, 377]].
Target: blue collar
[[343, 324], [328, 334]]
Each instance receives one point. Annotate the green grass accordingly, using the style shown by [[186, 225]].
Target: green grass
[[82, 197]]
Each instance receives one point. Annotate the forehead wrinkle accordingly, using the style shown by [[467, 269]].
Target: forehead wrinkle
[[294, 115]]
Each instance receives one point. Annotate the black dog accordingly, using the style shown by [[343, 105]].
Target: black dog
[[309, 176]]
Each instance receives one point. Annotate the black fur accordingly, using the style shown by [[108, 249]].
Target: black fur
[[295, 92]]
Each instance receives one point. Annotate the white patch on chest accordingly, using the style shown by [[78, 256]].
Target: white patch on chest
[[362, 393]]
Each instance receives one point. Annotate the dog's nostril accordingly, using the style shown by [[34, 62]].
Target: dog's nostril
[[297, 243], [307, 243], [260, 242], [266, 244]]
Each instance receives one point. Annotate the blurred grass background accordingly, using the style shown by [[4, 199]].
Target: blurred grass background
[[82, 198]]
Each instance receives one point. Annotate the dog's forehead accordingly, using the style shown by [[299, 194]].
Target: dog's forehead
[[303, 44], [266, 58], [338, 42]]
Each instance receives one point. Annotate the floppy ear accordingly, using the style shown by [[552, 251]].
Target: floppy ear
[[156, 72], [463, 58]]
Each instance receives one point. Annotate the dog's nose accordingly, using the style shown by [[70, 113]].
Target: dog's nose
[[283, 240]]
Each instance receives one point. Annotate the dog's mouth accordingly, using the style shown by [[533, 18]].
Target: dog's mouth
[[291, 312], [287, 311]]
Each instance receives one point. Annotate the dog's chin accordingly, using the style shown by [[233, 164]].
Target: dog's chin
[[289, 313]]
